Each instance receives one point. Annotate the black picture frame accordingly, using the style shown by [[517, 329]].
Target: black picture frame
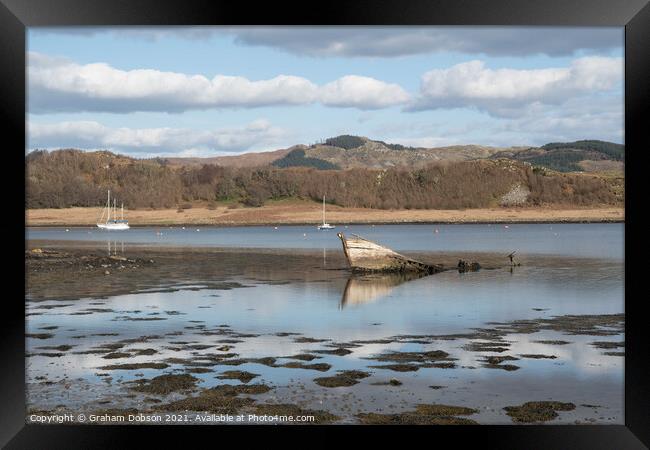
[[16, 15]]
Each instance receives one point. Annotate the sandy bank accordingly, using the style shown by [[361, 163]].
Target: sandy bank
[[310, 213]]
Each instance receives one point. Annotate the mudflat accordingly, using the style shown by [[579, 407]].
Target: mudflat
[[73, 270], [157, 330]]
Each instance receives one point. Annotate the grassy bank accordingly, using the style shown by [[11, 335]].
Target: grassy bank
[[306, 212]]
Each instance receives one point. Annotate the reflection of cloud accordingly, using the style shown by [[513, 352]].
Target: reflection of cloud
[[579, 354]]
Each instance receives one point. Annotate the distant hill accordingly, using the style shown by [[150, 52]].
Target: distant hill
[[353, 171], [297, 158], [252, 159], [613, 151], [349, 142], [571, 156], [345, 141], [358, 152]]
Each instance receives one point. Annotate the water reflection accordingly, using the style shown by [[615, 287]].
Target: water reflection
[[114, 248], [368, 288], [556, 239]]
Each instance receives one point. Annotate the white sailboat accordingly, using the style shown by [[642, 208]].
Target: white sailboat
[[324, 225], [112, 223]]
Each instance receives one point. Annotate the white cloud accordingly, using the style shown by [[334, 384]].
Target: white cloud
[[92, 135], [587, 117], [362, 93], [581, 118], [503, 92], [57, 85]]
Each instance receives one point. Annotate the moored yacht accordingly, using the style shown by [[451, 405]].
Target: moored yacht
[[112, 223], [325, 225]]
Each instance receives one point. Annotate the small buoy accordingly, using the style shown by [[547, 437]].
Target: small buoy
[[275, 228], [505, 226], [198, 229], [436, 231], [67, 229], [183, 228]]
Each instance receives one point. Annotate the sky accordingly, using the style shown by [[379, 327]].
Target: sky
[[208, 91]]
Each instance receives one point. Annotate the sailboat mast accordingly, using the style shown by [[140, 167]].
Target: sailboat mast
[[323, 210], [122, 211], [108, 206]]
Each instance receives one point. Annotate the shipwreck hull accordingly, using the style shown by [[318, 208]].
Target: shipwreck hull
[[367, 256]]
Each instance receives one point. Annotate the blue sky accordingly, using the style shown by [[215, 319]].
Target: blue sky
[[203, 91]]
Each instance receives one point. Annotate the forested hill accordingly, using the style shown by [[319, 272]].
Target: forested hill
[[66, 178], [356, 152], [346, 152], [572, 156], [609, 149]]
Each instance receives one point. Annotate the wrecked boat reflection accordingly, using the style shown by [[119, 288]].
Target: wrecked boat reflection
[[370, 287]]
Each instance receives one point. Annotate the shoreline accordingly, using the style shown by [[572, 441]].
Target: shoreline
[[305, 214], [81, 269]]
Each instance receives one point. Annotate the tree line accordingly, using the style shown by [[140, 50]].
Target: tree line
[[66, 178]]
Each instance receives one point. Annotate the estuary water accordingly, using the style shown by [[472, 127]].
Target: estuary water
[[577, 240], [558, 318]]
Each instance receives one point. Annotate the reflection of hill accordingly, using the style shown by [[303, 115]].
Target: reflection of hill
[[368, 288]]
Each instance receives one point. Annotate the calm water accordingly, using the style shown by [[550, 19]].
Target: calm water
[[579, 271], [578, 240]]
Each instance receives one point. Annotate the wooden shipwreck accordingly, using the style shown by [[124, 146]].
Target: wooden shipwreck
[[367, 256]]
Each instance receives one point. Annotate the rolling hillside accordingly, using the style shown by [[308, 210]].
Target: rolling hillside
[[356, 152], [74, 178], [576, 156], [252, 159]]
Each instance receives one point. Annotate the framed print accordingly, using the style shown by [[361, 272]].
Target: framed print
[[368, 217]]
